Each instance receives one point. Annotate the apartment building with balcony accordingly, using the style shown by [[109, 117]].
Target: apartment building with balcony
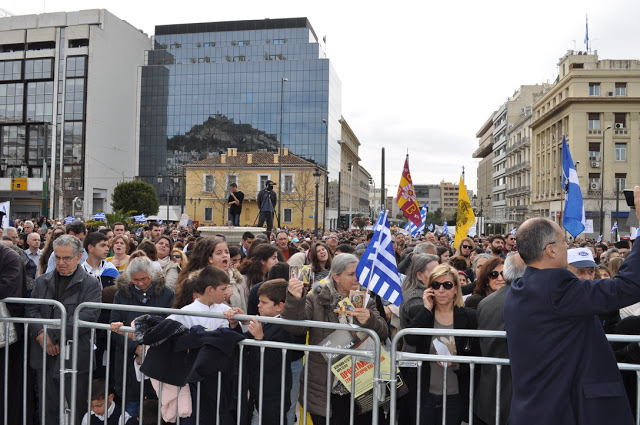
[[596, 104], [484, 152]]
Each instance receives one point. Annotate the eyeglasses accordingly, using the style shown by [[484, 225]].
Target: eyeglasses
[[141, 280], [493, 274], [446, 285], [63, 259], [467, 246]]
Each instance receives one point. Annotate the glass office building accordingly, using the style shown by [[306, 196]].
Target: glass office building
[[207, 87]]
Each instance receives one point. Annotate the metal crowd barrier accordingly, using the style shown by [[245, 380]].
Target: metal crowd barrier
[[64, 355], [372, 356], [399, 357]]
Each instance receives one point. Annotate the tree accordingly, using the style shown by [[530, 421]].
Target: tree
[[136, 196], [302, 194], [361, 221]]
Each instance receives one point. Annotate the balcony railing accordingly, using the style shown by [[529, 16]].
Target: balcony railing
[[525, 141], [518, 190], [518, 167]]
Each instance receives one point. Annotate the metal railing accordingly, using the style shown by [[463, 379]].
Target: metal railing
[[372, 356], [398, 357], [47, 324]]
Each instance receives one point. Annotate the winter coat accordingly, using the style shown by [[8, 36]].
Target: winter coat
[[81, 288], [317, 306], [158, 296]]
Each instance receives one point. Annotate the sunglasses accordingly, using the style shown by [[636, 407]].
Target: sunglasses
[[467, 246], [494, 274], [437, 285], [177, 256]]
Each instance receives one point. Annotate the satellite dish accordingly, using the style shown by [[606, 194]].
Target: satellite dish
[[77, 203]]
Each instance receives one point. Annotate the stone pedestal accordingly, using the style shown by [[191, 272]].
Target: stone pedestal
[[233, 234]]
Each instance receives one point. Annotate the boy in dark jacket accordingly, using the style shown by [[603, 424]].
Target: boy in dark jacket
[[272, 295]]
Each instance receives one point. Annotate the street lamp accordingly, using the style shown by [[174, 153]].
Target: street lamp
[[602, 184], [280, 148], [373, 183], [194, 202], [316, 178], [479, 227]]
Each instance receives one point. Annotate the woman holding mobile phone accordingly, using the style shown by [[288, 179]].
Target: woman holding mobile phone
[[443, 308]]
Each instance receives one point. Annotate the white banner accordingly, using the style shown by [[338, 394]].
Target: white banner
[[5, 208], [184, 220], [588, 226]]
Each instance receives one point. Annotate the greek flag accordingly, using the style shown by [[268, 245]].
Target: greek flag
[[599, 239], [377, 269], [445, 229], [140, 218], [411, 228], [100, 216], [614, 227], [430, 227], [573, 219], [514, 231], [68, 220]]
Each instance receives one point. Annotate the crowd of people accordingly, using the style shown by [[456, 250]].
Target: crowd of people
[[444, 287]]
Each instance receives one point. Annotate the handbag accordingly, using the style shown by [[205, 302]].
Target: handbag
[[6, 340]]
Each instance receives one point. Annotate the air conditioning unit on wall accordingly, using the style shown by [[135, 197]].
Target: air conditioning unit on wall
[[595, 186]]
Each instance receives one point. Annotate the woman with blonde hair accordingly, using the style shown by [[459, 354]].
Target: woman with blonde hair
[[444, 309], [464, 250]]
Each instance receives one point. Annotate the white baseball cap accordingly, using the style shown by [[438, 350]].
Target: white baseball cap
[[581, 258]]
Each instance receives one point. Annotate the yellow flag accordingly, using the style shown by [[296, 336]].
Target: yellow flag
[[466, 217]]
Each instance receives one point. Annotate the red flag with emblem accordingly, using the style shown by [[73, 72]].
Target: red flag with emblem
[[406, 198]]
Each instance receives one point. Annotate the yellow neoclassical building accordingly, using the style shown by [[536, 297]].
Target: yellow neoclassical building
[[208, 180]]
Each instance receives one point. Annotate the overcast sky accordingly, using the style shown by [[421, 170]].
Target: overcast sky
[[420, 76]]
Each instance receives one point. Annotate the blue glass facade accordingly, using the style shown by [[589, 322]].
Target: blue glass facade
[[210, 86]]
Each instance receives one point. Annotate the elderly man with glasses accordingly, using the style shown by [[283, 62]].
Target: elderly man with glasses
[[72, 286]]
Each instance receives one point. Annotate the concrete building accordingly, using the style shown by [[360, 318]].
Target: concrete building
[[208, 180], [250, 85], [449, 197], [68, 96], [518, 173], [429, 193], [596, 105], [483, 200], [505, 117]]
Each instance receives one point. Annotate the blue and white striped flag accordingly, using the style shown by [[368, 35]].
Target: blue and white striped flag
[[445, 229], [411, 228], [140, 218], [100, 216], [377, 268], [68, 220], [573, 219], [599, 239], [430, 227], [514, 231], [614, 227]]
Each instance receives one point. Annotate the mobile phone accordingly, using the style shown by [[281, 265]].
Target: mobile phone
[[628, 195]]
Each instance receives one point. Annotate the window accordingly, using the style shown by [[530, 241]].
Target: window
[[239, 59], [620, 119], [594, 121], [594, 181], [36, 69], [288, 183], [208, 183], [621, 151], [594, 151], [232, 178], [279, 41], [621, 181], [243, 43], [209, 44], [288, 215], [208, 214], [621, 89], [594, 89], [262, 180], [10, 70]]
